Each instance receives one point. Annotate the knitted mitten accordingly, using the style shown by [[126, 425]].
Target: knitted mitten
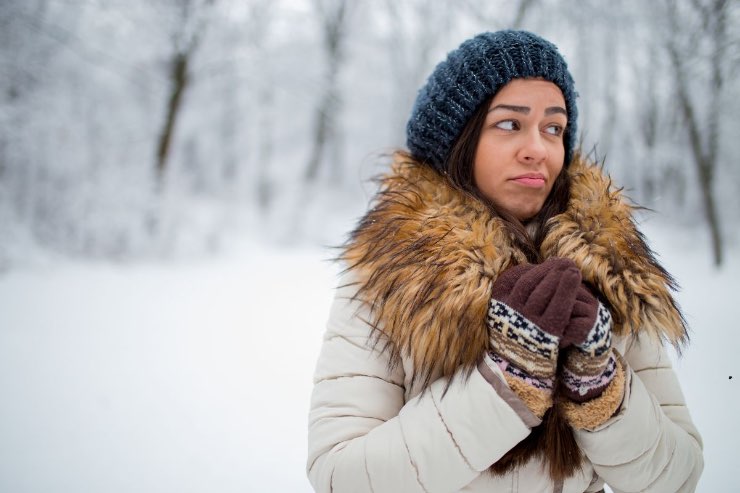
[[592, 376], [530, 308]]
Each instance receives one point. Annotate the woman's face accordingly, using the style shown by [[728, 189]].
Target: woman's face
[[520, 150]]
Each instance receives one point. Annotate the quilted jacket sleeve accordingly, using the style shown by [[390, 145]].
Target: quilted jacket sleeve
[[364, 437], [651, 445]]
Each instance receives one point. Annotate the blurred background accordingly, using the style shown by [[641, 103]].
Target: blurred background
[[172, 171], [133, 129]]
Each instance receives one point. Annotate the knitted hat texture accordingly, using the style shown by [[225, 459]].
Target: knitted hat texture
[[471, 75]]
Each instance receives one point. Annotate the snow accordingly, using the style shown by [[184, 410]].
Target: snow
[[161, 378], [196, 376]]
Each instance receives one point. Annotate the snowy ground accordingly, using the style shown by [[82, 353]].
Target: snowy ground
[[196, 377]]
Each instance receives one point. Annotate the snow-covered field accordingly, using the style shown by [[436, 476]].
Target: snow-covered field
[[196, 376]]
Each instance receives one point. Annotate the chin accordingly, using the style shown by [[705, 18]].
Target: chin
[[526, 215], [523, 211], [525, 220]]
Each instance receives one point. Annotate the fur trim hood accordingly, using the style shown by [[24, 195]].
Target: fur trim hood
[[426, 255]]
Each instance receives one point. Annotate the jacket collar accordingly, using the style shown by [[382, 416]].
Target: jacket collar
[[426, 255]]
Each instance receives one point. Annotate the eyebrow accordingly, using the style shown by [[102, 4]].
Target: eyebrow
[[555, 109], [518, 109], [525, 109]]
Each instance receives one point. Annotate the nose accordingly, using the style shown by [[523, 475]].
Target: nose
[[533, 149]]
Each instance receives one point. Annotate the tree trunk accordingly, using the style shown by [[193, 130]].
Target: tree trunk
[[323, 127], [704, 163], [705, 149], [179, 79], [333, 20], [265, 148], [710, 212]]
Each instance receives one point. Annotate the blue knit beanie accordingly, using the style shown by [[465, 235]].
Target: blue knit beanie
[[471, 75]]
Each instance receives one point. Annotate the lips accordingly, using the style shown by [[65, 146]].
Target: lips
[[533, 180]]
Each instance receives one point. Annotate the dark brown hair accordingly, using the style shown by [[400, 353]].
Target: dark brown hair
[[552, 440], [459, 170]]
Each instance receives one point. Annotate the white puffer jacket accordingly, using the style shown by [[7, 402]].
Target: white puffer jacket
[[425, 258], [371, 431]]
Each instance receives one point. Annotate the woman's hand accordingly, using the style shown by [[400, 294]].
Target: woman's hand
[[592, 377], [589, 366], [530, 308]]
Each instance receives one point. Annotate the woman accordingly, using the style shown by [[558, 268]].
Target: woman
[[500, 323]]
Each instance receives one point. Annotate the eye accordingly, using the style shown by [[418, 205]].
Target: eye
[[509, 125], [554, 129]]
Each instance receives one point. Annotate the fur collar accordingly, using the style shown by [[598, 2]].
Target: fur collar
[[425, 257]]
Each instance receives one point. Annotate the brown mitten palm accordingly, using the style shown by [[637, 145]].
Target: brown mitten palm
[[530, 308]]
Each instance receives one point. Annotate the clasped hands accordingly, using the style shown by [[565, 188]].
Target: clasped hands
[[539, 310]]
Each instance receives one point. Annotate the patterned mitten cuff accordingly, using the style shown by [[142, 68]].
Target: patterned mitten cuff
[[595, 412], [526, 355], [590, 366]]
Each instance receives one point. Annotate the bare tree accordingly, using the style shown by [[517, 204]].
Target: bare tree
[[648, 118], [186, 38], [703, 130], [417, 28], [333, 18], [261, 17]]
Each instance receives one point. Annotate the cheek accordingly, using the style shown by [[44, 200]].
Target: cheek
[[556, 165], [557, 157], [486, 166]]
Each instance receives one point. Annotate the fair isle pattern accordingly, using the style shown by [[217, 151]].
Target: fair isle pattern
[[423, 240], [586, 387], [599, 339], [517, 329], [590, 413], [417, 216], [507, 367]]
